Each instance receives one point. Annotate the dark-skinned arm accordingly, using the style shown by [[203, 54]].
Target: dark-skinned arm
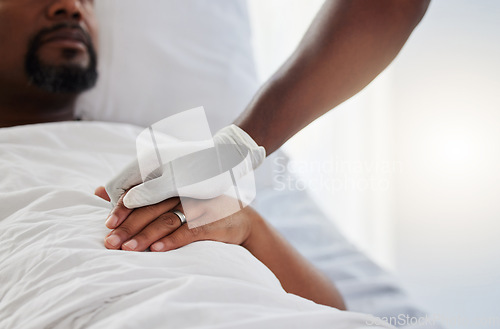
[[349, 43], [296, 274]]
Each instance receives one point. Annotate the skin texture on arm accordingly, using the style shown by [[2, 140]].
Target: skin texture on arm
[[349, 43]]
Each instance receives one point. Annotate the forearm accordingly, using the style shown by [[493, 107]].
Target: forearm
[[296, 274], [349, 43]]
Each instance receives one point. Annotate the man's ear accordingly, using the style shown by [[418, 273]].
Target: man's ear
[[101, 192]]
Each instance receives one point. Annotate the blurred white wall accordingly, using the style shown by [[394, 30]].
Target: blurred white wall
[[447, 123], [410, 168], [345, 158]]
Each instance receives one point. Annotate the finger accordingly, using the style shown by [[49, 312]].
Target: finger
[[179, 238], [101, 192], [118, 214], [128, 177], [164, 225], [150, 192], [137, 221], [233, 229]]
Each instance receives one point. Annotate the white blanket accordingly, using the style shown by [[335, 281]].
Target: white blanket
[[56, 273]]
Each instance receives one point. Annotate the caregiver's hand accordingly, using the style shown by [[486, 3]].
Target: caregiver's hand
[[157, 228], [239, 146]]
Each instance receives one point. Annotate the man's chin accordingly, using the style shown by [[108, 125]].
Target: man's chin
[[64, 71], [63, 79], [61, 65]]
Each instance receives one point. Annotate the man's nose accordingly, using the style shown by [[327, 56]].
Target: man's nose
[[65, 10]]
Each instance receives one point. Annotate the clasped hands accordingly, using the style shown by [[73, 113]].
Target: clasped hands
[[148, 222], [157, 228]]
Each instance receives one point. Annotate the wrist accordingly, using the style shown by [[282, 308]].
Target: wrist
[[256, 227], [233, 134]]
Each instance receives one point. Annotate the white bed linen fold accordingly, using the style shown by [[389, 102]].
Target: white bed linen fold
[[56, 273]]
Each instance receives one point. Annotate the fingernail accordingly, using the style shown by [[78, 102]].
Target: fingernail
[[112, 221], [113, 240], [132, 244], [158, 246]]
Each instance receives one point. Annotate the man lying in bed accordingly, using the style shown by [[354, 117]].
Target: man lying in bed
[[47, 58], [50, 59]]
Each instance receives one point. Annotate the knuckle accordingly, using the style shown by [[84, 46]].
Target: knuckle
[[230, 229], [125, 230], [168, 220], [121, 211], [151, 210], [197, 231], [229, 222], [144, 236], [120, 194], [182, 238], [175, 241]]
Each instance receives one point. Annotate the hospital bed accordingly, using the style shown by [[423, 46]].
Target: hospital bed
[[158, 58]]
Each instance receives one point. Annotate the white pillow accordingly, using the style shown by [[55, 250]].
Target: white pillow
[[158, 58]]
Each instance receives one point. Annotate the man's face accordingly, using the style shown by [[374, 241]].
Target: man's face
[[49, 44]]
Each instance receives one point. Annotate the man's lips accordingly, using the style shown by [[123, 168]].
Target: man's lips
[[68, 38]]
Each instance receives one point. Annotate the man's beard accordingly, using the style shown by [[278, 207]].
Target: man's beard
[[60, 78]]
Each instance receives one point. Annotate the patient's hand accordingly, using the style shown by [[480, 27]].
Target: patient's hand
[[157, 228], [101, 192]]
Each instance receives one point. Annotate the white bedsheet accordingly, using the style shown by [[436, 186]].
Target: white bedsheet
[[56, 273]]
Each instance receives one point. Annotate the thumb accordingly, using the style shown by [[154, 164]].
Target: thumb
[[128, 177], [149, 193]]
